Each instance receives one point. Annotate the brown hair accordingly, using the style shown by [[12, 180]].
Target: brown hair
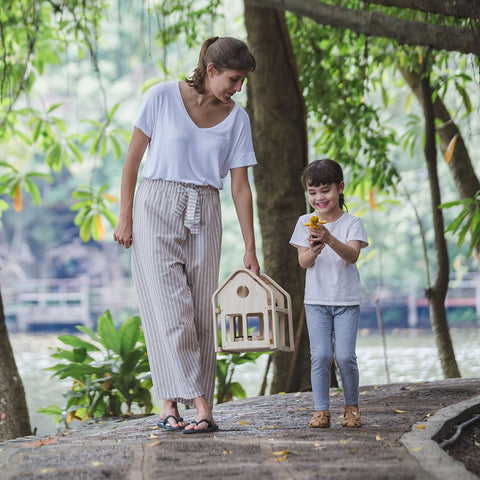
[[225, 53], [323, 172]]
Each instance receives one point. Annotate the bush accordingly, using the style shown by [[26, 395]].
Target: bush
[[109, 375]]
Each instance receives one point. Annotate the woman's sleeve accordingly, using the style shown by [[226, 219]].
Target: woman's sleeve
[[241, 151], [148, 112]]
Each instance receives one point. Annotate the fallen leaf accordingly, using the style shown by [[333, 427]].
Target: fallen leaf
[[477, 444], [155, 427], [97, 464], [283, 452], [42, 442], [263, 428], [155, 443], [281, 459], [421, 426], [418, 449], [345, 442], [364, 392], [399, 411], [317, 444], [227, 451], [281, 393], [243, 422], [378, 438], [48, 470], [152, 435]]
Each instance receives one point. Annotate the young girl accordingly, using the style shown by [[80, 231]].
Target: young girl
[[196, 134], [328, 251]]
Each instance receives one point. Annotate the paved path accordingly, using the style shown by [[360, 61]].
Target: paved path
[[263, 438]]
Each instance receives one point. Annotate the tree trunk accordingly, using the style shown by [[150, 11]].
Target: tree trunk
[[14, 421], [277, 110], [378, 24], [466, 180], [461, 167], [437, 293]]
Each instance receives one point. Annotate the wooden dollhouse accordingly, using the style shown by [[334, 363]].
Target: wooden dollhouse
[[252, 313]]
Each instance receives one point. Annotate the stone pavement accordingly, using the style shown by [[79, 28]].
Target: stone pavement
[[263, 438]]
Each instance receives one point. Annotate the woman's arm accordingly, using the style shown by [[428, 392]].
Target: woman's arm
[[138, 144], [242, 198]]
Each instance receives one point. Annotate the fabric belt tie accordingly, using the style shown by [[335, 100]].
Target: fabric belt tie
[[190, 205]]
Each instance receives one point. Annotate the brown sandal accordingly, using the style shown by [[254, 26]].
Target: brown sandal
[[320, 419], [351, 417]]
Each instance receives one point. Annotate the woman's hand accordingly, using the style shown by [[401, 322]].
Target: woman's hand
[[123, 233], [250, 261]]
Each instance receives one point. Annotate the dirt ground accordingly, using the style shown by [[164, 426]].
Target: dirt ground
[[467, 448]]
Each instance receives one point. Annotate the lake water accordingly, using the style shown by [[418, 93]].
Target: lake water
[[411, 357]]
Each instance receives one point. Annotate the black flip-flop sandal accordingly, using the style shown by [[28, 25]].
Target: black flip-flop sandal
[[166, 426], [211, 427]]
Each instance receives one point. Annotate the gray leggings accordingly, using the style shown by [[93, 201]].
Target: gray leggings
[[338, 324]]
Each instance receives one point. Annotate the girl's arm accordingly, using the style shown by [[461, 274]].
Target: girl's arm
[[138, 144], [307, 255], [242, 198], [349, 251]]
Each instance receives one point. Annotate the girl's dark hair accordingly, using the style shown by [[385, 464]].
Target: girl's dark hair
[[226, 53], [323, 172]]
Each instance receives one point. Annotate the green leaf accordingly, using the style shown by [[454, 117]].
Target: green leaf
[[129, 332], [51, 410], [109, 336], [237, 390], [78, 342], [31, 188]]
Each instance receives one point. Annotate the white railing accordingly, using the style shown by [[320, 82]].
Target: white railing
[[65, 301]]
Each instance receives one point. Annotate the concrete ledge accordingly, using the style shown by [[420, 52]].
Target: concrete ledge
[[421, 444]]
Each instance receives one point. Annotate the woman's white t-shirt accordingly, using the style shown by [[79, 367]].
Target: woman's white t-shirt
[[181, 151], [331, 280]]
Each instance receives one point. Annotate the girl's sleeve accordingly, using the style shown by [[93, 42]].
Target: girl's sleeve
[[300, 234], [357, 232]]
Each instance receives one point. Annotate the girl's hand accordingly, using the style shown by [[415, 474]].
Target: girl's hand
[[315, 245], [123, 233], [319, 235]]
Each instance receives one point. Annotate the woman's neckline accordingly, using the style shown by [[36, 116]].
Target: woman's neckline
[[182, 102]]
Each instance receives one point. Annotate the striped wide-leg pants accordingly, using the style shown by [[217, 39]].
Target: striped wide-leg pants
[[175, 262]]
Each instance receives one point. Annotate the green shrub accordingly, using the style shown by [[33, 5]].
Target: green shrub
[[109, 375]]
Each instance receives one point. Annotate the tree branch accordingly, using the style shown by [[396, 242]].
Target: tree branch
[[378, 24], [452, 8]]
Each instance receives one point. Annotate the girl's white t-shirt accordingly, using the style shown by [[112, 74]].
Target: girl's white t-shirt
[[181, 151], [331, 280]]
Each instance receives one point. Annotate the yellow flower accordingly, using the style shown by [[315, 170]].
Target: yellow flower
[[314, 221]]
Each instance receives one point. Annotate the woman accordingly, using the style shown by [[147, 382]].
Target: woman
[[195, 135]]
